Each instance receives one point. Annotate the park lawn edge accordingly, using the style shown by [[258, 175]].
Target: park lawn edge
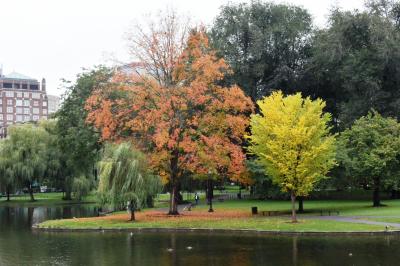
[[250, 225]]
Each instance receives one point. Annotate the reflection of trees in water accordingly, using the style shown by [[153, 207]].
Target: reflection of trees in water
[[30, 215], [66, 212], [294, 250]]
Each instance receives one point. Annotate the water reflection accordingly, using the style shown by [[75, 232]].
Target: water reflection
[[20, 246]]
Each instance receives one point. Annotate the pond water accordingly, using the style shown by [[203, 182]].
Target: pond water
[[20, 246]]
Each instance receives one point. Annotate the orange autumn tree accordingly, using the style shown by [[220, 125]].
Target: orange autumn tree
[[190, 125]]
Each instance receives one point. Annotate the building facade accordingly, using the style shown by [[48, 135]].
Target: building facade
[[53, 103], [22, 99]]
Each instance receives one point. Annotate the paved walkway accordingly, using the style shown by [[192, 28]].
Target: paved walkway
[[356, 219]]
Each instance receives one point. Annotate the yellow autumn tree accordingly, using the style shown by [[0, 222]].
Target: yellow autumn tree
[[292, 141]]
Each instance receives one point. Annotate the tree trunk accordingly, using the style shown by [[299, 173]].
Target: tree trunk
[[301, 208], [293, 198], [8, 193], [31, 192], [173, 206], [150, 202], [67, 195], [132, 210], [376, 196], [210, 194], [67, 188]]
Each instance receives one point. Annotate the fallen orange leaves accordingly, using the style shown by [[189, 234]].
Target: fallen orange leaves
[[152, 215]]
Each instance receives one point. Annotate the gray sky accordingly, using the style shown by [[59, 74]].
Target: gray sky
[[57, 38]]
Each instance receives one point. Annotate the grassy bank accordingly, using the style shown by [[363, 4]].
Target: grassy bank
[[258, 223], [236, 215], [43, 199]]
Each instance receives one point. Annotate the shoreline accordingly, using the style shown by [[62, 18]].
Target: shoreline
[[37, 228]]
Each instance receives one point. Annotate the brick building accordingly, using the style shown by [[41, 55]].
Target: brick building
[[22, 99]]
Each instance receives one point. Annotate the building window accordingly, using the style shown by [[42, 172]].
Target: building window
[[44, 111], [16, 86], [18, 102], [9, 94], [35, 111], [10, 110], [27, 103], [27, 118], [7, 85], [19, 110], [36, 95], [19, 94], [34, 87], [20, 118], [9, 102], [1, 117], [35, 118], [35, 103], [26, 94], [44, 103], [24, 86], [27, 111], [10, 117]]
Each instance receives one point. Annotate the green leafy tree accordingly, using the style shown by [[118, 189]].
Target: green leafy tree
[[8, 179], [53, 153], [28, 144], [355, 62], [125, 177], [370, 151], [77, 140], [266, 45], [291, 140]]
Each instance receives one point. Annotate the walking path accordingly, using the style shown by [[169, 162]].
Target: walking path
[[356, 219]]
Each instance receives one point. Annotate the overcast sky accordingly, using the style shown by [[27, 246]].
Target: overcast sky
[[57, 38]]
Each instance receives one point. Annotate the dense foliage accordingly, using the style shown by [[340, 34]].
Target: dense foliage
[[266, 44], [77, 140], [291, 139], [370, 152], [187, 124], [125, 177]]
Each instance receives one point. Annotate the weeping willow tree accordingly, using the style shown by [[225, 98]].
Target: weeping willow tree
[[7, 176], [27, 146], [126, 178]]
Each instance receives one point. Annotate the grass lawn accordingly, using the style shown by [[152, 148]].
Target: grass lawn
[[256, 223], [42, 199], [312, 207], [236, 214]]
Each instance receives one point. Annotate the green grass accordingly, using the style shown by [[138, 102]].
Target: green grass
[[43, 199], [258, 223], [312, 207]]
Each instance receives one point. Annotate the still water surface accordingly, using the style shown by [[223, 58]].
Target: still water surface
[[20, 246]]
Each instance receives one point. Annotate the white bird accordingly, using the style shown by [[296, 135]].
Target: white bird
[[170, 249], [131, 234], [350, 254], [189, 248]]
